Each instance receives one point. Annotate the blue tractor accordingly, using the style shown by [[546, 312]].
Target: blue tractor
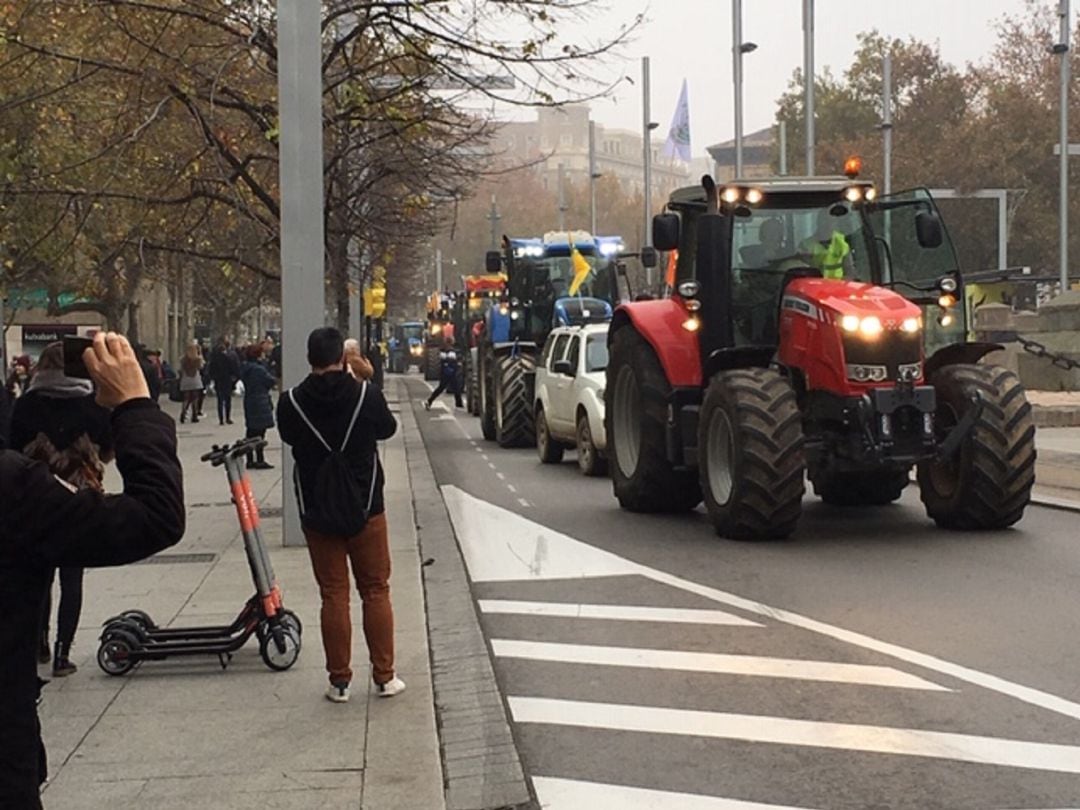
[[556, 280], [406, 346]]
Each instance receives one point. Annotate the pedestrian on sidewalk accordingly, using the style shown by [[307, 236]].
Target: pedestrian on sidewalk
[[333, 422], [258, 407], [45, 524], [224, 372], [191, 384], [356, 364], [449, 366], [6, 406], [58, 422]]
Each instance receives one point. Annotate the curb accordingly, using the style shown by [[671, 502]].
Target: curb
[[1056, 415], [481, 766]]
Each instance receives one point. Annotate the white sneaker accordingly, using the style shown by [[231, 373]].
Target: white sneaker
[[338, 693], [392, 687]]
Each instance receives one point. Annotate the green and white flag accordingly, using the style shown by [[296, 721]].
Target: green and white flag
[[678, 139]]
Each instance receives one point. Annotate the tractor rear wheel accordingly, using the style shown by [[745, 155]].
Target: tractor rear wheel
[[472, 394], [987, 482], [487, 406], [644, 479], [513, 405], [864, 488], [750, 444]]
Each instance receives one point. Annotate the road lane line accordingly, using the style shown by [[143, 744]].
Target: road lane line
[[502, 546], [523, 502], [568, 794], [626, 613], [713, 663], [500, 476], [511, 487], [808, 733]]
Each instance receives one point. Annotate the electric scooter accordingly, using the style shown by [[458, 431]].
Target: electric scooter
[[132, 637]]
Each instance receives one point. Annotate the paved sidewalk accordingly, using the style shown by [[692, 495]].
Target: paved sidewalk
[[184, 733]]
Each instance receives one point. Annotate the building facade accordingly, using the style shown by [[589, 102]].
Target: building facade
[[757, 156]]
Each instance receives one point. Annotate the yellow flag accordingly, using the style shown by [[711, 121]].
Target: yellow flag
[[581, 268]]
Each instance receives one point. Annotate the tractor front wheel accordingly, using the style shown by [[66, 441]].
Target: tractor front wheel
[[643, 477], [987, 482], [752, 464], [431, 363]]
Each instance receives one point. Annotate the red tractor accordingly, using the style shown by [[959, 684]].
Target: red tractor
[[816, 331]]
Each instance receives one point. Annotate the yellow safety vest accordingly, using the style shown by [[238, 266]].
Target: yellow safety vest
[[829, 258]]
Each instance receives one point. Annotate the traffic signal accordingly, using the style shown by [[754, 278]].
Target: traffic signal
[[375, 302]]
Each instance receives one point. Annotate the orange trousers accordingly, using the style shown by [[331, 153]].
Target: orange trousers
[[368, 553]]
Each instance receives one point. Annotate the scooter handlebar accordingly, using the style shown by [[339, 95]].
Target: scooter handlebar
[[219, 453]]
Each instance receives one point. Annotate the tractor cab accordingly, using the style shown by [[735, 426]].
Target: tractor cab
[[813, 330]]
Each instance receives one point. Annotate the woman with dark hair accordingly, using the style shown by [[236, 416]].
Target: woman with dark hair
[[58, 421], [258, 407]]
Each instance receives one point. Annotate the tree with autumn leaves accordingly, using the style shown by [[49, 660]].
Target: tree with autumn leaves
[[138, 138]]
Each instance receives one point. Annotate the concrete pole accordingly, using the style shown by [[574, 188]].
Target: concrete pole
[[303, 297], [494, 218], [647, 157], [592, 177], [356, 289], [783, 148], [737, 55], [438, 271], [886, 122], [808, 80], [1062, 49]]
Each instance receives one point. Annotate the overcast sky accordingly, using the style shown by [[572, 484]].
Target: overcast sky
[[692, 39]]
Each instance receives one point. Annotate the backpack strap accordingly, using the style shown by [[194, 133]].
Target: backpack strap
[[356, 413], [307, 421]]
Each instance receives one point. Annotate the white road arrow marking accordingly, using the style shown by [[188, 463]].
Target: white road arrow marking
[[567, 794]]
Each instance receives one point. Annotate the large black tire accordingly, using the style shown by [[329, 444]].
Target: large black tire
[[431, 363], [863, 488], [590, 462], [750, 452], [548, 449], [472, 389], [513, 401], [487, 405], [987, 483], [635, 411]]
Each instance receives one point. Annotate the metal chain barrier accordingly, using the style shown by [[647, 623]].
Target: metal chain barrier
[[1037, 349]]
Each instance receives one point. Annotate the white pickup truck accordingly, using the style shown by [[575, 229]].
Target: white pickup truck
[[569, 402]]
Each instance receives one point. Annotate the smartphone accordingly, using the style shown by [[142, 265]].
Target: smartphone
[[73, 356]]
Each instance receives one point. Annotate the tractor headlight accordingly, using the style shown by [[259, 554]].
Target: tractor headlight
[[867, 374], [869, 327], [910, 372], [435, 329], [911, 325]]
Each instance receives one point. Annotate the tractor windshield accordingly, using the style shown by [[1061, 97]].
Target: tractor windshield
[[775, 240], [412, 331], [553, 278]]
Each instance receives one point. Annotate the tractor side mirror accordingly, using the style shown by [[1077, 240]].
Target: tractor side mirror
[[493, 261], [665, 229], [563, 367], [928, 229], [649, 257]]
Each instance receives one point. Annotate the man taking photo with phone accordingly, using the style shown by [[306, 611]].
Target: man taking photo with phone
[[45, 524]]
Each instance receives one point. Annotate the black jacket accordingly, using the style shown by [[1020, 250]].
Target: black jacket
[[62, 420], [329, 400], [224, 368], [44, 525], [5, 418]]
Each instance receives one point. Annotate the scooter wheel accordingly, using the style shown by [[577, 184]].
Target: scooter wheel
[[290, 619], [139, 617], [114, 655], [280, 653], [129, 628]]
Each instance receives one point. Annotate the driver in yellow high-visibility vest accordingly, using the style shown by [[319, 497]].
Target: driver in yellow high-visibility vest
[[828, 249]]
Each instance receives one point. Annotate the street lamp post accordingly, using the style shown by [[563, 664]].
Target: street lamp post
[[886, 122], [593, 177], [648, 125], [301, 177], [738, 50], [808, 81], [1062, 50], [494, 218]]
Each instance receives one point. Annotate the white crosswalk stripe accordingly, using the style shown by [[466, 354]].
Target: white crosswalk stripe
[[719, 664], [627, 613], [568, 794]]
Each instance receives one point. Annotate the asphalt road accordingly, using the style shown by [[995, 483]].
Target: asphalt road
[[871, 661]]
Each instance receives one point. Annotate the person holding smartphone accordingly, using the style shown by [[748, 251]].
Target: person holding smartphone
[[46, 523]]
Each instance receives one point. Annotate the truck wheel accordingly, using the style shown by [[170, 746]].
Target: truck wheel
[[431, 363], [513, 403], [865, 488], [987, 483], [549, 450], [750, 444], [643, 478], [589, 459]]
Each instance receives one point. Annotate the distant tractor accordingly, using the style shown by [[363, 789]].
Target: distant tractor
[[406, 347], [440, 329], [478, 296], [551, 281], [787, 350]]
